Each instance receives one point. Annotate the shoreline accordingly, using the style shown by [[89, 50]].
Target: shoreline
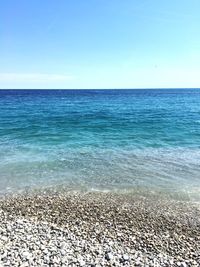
[[98, 229]]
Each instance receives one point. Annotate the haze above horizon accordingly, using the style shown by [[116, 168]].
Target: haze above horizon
[[99, 44]]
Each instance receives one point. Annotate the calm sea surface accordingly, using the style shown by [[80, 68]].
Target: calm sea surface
[[100, 140]]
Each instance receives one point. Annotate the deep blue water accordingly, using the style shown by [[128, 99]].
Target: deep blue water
[[100, 139]]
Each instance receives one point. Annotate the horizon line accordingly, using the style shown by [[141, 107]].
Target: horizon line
[[145, 88]]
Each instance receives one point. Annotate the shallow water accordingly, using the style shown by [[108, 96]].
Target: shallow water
[[101, 139]]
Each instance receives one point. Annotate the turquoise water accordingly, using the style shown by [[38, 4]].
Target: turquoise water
[[100, 139]]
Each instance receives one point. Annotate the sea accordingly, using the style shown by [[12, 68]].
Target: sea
[[132, 141]]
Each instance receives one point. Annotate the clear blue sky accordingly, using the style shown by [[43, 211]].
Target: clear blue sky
[[99, 43]]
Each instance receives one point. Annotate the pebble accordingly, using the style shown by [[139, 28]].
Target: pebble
[[109, 256]]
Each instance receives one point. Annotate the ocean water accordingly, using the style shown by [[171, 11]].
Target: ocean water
[[101, 140]]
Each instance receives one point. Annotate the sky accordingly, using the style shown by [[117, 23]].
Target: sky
[[99, 44]]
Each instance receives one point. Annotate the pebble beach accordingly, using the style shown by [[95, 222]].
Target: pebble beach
[[98, 178], [98, 229]]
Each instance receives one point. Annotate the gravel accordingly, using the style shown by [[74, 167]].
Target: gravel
[[98, 229]]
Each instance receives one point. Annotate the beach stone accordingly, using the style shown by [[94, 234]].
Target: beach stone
[[125, 257], [109, 256], [183, 264], [81, 263], [26, 255]]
